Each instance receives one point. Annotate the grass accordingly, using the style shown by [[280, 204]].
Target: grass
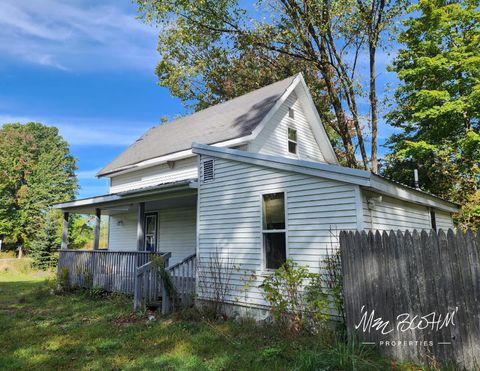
[[42, 330]]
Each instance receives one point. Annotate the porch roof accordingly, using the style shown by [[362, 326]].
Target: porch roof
[[112, 200]]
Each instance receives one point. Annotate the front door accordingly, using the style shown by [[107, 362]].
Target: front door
[[151, 232]]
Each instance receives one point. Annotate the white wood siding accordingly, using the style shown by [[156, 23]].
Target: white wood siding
[[273, 140], [178, 232], [393, 214], [184, 169], [230, 220]]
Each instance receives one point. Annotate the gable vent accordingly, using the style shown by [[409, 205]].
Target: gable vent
[[208, 171]]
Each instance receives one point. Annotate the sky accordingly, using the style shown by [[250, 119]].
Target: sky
[[87, 67]]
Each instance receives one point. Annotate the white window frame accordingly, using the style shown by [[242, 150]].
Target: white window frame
[[293, 141], [263, 258]]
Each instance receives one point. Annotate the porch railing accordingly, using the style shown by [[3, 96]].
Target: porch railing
[[150, 286], [109, 270]]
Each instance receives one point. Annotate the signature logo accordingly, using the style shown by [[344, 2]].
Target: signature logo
[[405, 322]]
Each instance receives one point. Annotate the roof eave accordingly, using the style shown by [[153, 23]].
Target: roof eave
[[362, 178]]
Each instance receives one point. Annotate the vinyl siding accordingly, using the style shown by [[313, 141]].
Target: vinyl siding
[[123, 237], [272, 140], [230, 220], [444, 220], [183, 169], [176, 232], [393, 214]]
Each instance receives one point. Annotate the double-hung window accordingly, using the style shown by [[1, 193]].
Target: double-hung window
[[274, 230]]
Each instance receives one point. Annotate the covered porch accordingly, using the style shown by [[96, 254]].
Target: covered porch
[[155, 221]]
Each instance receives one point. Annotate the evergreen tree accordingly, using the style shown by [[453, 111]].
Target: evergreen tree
[[44, 247]]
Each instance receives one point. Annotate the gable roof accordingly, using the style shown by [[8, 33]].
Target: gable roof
[[235, 118], [362, 178]]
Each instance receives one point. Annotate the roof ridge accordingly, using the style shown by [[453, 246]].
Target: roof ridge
[[234, 118]]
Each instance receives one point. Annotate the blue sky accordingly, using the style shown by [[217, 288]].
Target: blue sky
[[87, 67]]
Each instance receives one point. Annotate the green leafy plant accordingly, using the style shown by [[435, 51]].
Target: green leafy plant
[[63, 280], [296, 297]]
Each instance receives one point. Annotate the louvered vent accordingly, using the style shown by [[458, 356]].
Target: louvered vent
[[208, 173]]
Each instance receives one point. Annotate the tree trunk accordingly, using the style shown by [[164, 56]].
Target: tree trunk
[[373, 106], [338, 109]]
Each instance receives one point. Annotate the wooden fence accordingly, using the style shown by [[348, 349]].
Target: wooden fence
[[416, 296], [149, 285], [109, 270]]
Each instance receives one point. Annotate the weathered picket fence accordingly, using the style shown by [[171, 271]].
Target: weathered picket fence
[[416, 296]]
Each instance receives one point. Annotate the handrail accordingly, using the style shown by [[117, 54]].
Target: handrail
[[103, 251], [146, 285], [182, 262]]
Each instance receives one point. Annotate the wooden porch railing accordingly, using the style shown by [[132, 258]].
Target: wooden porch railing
[[149, 285], [109, 270]]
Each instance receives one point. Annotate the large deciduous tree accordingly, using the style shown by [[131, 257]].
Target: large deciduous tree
[[438, 101], [214, 50], [36, 170]]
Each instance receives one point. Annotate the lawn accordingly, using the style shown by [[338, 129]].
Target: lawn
[[41, 330]]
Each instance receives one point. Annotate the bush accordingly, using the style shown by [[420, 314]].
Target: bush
[[296, 297]]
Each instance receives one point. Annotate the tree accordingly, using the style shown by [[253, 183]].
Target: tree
[[438, 101], [203, 43], [44, 246], [376, 16], [36, 170]]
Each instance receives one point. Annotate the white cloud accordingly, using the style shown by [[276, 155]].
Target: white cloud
[[80, 35], [89, 131]]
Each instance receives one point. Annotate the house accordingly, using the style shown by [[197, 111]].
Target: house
[[253, 180]]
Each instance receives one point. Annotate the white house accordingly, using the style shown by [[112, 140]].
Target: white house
[[254, 179]]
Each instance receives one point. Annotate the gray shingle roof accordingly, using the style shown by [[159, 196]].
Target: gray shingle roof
[[232, 119]]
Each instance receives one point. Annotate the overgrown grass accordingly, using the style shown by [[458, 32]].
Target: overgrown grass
[[41, 330], [8, 255]]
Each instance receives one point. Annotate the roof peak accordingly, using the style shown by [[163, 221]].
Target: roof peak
[[228, 120]]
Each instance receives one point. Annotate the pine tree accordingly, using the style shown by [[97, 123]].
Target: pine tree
[[44, 247]]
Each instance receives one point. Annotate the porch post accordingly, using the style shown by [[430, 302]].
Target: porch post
[[65, 230], [96, 232], [140, 226]]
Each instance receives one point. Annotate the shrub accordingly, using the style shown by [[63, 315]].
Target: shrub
[[296, 297], [63, 280], [214, 274]]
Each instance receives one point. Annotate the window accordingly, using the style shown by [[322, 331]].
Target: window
[[151, 232], [273, 230], [292, 141], [291, 113], [433, 220]]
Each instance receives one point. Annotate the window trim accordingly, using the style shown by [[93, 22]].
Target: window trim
[[263, 257], [147, 214], [293, 141]]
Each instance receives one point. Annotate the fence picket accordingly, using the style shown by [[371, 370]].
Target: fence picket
[[418, 273]]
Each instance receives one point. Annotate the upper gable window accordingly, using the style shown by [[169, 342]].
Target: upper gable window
[[292, 141]]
